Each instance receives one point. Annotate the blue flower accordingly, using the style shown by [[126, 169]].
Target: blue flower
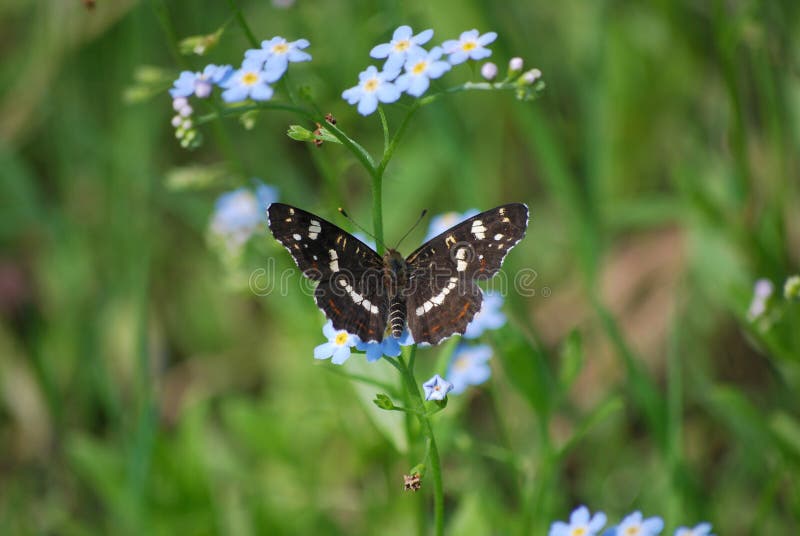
[[579, 524], [469, 366], [403, 44], [702, 529], [436, 388], [199, 84], [443, 222], [373, 87], [762, 291], [338, 346], [388, 346], [250, 81], [489, 317], [469, 45], [275, 54], [634, 524], [420, 68], [237, 214]]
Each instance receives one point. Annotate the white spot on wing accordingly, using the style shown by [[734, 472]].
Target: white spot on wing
[[314, 229], [296, 236], [334, 264], [498, 236], [478, 230]]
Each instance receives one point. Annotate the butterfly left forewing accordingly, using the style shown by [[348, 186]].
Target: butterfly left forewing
[[349, 273], [443, 297]]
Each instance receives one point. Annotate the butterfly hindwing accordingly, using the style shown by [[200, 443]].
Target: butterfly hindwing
[[350, 291], [442, 297]]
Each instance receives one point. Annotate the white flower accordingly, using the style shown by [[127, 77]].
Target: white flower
[[373, 87]]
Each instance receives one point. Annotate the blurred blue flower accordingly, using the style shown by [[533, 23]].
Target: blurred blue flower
[[403, 43], [702, 529], [469, 366], [275, 54], [389, 346], [237, 214], [580, 523], [469, 45], [199, 83], [489, 317], [762, 290], [436, 388], [634, 524], [373, 87], [250, 81], [421, 67], [338, 346], [364, 238], [443, 222]]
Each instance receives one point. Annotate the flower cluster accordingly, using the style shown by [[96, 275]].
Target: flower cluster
[[582, 523], [409, 67], [260, 68], [341, 343], [762, 291], [238, 213]]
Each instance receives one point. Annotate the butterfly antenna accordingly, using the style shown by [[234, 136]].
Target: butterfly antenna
[[422, 215], [354, 222]]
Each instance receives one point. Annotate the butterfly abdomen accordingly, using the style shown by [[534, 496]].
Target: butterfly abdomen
[[397, 316]]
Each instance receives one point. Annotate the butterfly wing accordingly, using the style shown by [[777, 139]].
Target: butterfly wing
[[350, 290], [442, 297]]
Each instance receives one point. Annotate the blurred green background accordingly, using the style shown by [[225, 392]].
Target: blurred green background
[[144, 390]]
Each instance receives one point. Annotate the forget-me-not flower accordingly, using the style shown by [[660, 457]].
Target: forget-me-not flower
[[389, 346], [436, 388], [580, 524], [373, 87], [252, 81], [489, 317], [702, 529], [469, 46], [635, 525], [469, 366], [762, 291], [275, 54], [237, 214], [403, 43], [443, 222], [421, 67], [199, 83], [338, 346]]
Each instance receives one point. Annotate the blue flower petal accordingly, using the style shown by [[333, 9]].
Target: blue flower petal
[[324, 350], [367, 104], [341, 355]]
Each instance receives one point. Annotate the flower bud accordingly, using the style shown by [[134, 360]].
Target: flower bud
[[532, 76], [202, 88], [489, 70], [515, 64], [791, 289], [179, 103]]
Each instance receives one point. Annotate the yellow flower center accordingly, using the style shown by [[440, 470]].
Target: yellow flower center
[[371, 85], [462, 363], [340, 338], [403, 45], [419, 67], [437, 387], [580, 531], [632, 531], [469, 45], [280, 48], [249, 78]]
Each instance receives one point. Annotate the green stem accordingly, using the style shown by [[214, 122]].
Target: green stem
[[435, 466], [243, 23]]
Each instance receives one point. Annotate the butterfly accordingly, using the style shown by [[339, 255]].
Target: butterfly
[[433, 290]]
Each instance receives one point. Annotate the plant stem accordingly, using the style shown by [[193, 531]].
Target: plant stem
[[434, 465], [243, 23]]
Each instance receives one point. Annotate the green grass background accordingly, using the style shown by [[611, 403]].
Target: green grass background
[[143, 391]]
